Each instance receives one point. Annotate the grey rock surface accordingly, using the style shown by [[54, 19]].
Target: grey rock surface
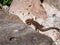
[[55, 3]]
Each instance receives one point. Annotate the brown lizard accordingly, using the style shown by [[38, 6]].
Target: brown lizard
[[38, 26]]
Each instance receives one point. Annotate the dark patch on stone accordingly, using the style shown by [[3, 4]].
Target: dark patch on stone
[[35, 18], [54, 15], [28, 13], [11, 38], [41, 1], [22, 13], [29, 6]]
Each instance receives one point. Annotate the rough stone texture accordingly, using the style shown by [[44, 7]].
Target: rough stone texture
[[14, 32], [20, 11], [55, 3], [28, 9], [52, 21], [23, 37], [10, 17]]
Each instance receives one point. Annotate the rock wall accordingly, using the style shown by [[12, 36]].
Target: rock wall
[[56, 3]]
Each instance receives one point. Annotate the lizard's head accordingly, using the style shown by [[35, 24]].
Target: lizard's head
[[29, 21]]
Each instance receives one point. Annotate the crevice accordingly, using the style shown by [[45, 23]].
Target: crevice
[[11, 38]]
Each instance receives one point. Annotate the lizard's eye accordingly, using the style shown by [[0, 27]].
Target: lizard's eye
[[28, 23]]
